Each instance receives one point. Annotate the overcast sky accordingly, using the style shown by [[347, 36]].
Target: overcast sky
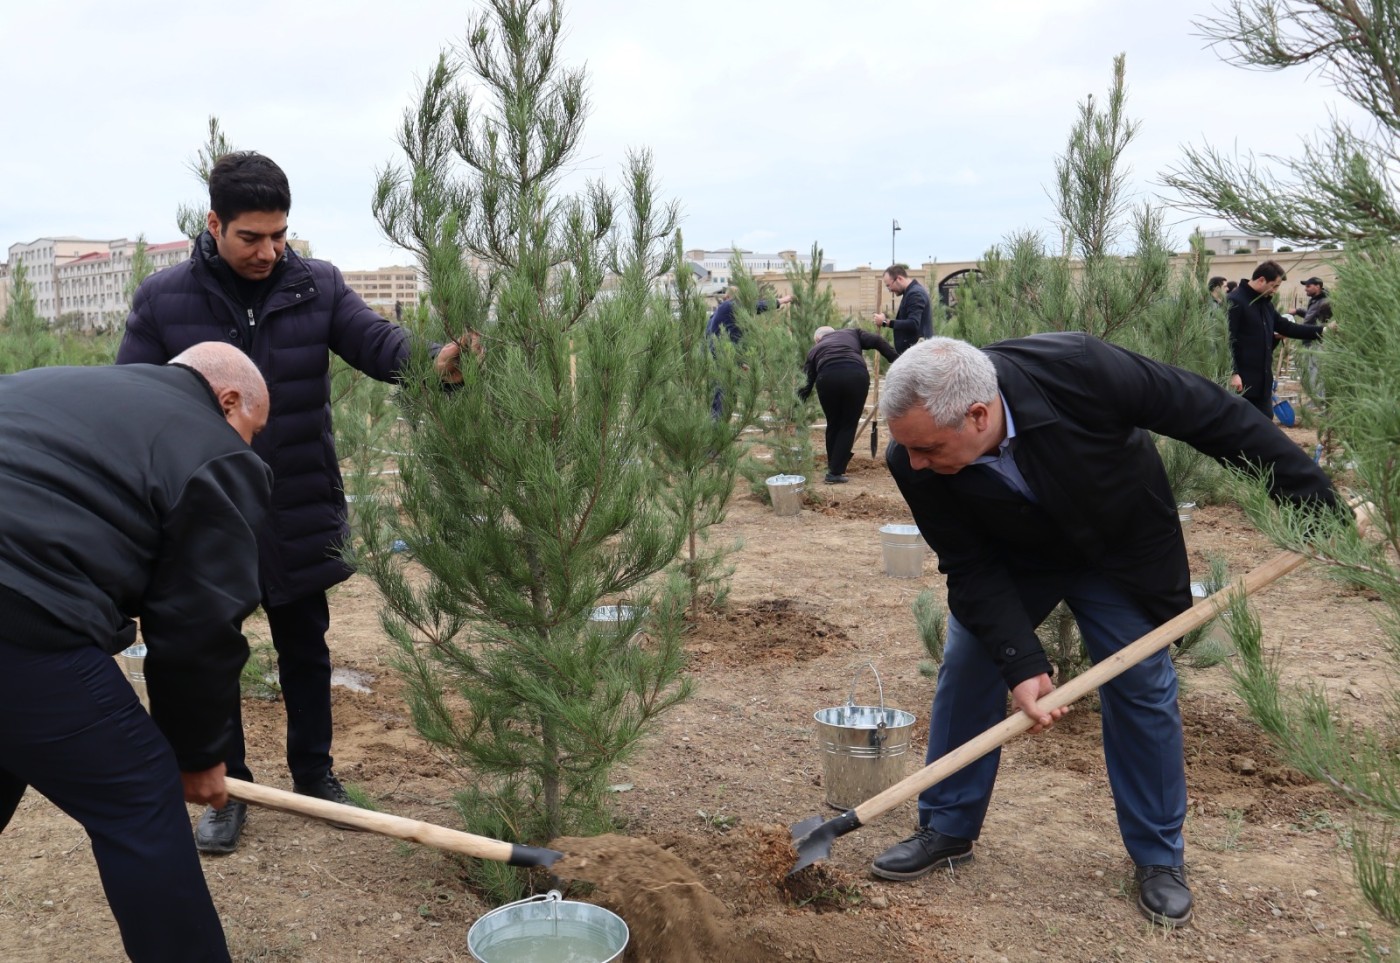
[[775, 124]]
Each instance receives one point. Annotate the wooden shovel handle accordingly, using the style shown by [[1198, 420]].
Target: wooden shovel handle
[[398, 827], [1111, 667]]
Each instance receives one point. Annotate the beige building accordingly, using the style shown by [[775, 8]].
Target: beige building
[[42, 258], [387, 289], [859, 293], [95, 285]]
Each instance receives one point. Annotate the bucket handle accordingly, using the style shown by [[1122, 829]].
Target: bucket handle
[[851, 696], [877, 737]]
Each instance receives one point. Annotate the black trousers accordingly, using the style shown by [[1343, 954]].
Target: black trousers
[[842, 393], [71, 727], [304, 672]]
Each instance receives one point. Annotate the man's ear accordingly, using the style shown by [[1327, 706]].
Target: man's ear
[[211, 221], [230, 399]]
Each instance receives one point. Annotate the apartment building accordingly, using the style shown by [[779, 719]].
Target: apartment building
[[717, 263], [1230, 241], [94, 287], [42, 258], [388, 290]]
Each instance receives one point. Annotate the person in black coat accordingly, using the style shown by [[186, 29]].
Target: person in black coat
[[129, 492], [242, 285], [914, 320], [1031, 471], [1255, 327], [836, 367]]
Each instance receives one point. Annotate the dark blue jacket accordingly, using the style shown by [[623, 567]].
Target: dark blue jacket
[[308, 313], [723, 320], [914, 320]]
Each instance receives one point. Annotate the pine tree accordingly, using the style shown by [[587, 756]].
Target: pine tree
[[1339, 190], [528, 494], [191, 218], [775, 346], [1149, 300], [26, 340], [695, 450]]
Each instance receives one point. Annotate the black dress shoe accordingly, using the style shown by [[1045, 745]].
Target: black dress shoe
[[1163, 895], [835, 479], [328, 787], [218, 829], [926, 850]]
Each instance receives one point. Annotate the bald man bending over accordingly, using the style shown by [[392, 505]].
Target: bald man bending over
[[130, 492]]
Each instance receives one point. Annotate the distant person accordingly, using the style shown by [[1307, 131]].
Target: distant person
[[1255, 327], [244, 286], [1031, 471], [129, 492], [914, 320], [722, 321], [836, 367], [1229, 288], [1317, 311], [1217, 290]]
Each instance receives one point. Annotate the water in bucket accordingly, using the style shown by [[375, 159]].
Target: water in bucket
[[548, 929]]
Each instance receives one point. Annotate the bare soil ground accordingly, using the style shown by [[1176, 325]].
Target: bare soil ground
[[722, 777]]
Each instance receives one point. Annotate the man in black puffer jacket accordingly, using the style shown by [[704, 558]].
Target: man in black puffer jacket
[[129, 493], [1255, 327], [244, 286]]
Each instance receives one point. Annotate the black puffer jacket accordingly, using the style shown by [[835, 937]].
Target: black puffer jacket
[[308, 313], [125, 493]]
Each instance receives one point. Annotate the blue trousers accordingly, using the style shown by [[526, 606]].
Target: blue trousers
[[304, 673], [71, 727], [1141, 724]]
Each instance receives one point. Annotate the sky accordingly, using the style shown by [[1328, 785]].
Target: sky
[[774, 124]]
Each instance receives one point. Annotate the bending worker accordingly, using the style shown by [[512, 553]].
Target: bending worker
[[1031, 471], [130, 492], [836, 367]]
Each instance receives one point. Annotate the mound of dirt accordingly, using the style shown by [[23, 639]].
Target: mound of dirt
[[862, 505], [771, 630], [672, 916]]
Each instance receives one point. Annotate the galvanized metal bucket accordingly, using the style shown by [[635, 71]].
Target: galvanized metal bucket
[[786, 492], [863, 748], [548, 927], [904, 550], [612, 619], [1185, 511]]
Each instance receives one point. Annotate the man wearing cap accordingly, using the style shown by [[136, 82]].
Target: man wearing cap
[[1319, 306], [1255, 327], [1318, 311]]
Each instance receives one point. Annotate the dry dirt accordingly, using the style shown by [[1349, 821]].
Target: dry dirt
[[710, 795]]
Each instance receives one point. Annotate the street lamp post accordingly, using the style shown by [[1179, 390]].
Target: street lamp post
[[894, 226]]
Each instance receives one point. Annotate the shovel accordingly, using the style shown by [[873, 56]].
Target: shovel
[[812, 837], [1283, 411], [412, 830]]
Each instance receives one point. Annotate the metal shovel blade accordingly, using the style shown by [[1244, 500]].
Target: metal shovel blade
[[812, 837]]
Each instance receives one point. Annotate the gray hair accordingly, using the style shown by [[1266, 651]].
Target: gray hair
[[822, 332], [944, 375], [224, 366]]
